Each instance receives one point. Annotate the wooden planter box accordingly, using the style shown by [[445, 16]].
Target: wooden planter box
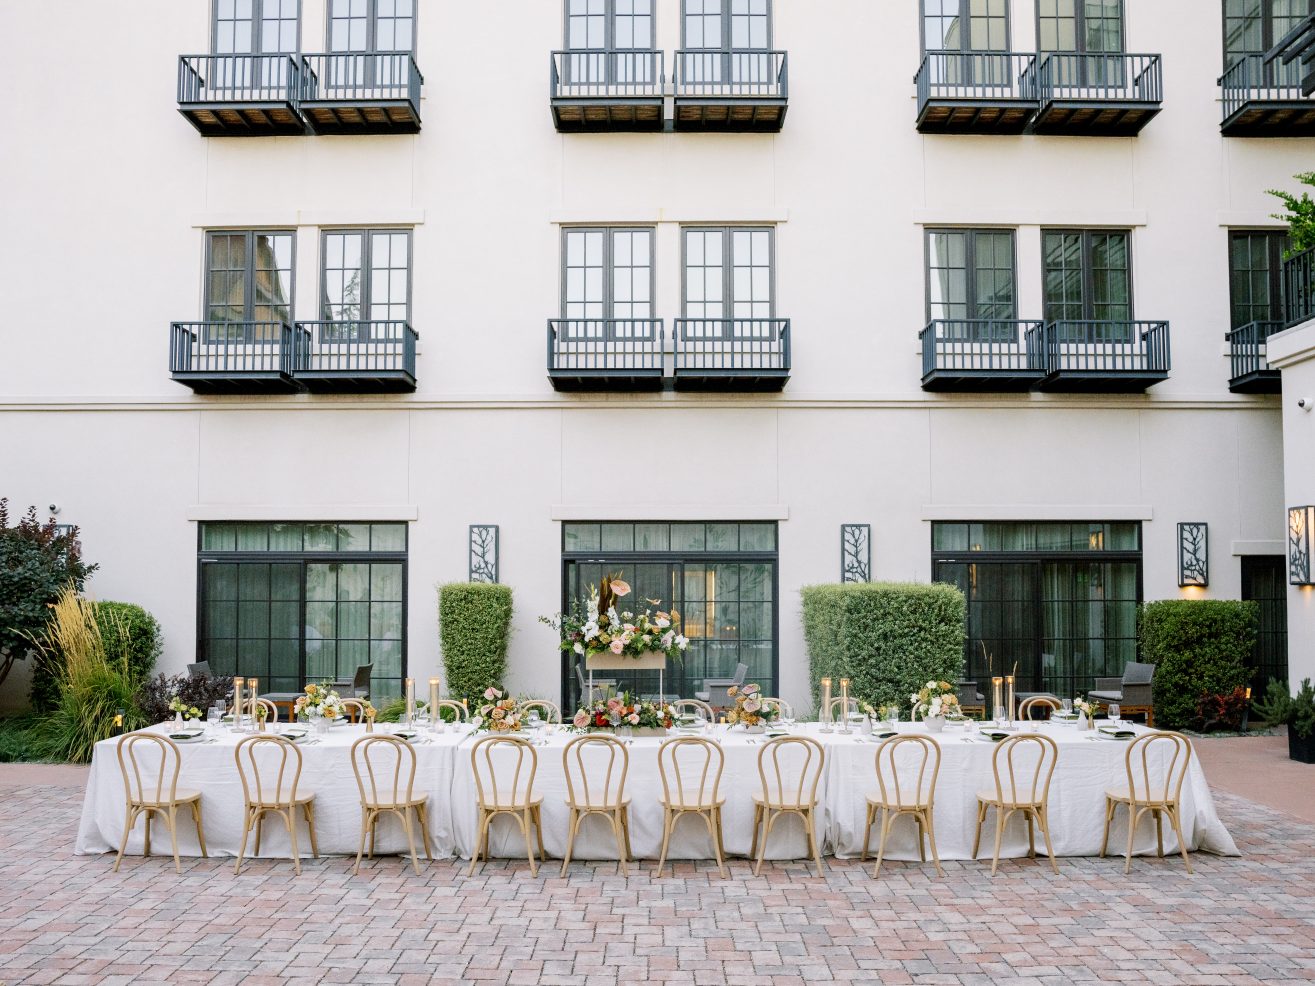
[[1301, 749], [621, 662]]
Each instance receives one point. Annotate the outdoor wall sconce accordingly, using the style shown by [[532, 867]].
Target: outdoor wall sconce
[[855, 552], [1193, 554], [1301, 535], [484, 545]]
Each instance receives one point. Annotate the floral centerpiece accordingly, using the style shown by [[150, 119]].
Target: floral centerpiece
[[624, 712], [500, 713], [750, 711], [936, 702], [1088, 711], [319, 701], [603, 627], [182, 710]]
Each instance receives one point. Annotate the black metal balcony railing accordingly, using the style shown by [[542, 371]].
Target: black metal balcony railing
[[1250, 369], [975, 91], [361, 92], [732, 74], [1299, 287], [981, 354], [589, 353], [356, 354], [238, 79], [1251, 80], [1113, 94], [228, 353], [1102, 354], [600, 73], [732, 344]]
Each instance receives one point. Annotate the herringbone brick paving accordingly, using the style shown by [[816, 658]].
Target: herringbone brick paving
[[68, 919]]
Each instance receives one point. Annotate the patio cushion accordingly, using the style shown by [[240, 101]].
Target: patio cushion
[[1138, 674], [1106, 696]]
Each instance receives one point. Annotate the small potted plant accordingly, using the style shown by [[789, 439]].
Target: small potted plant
[[1088, 712], [1297, 712], [181, 711]]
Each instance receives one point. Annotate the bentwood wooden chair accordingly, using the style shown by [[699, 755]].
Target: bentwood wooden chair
[[691, 767], [838, 708], [155, 792], [907, 767], [270, 769], [596, 767], [703, 710], [456, 708], [1028, 762], [1152, 790], [783, 708], [790, 768], [385, 769], [504, 768], [548, 711], [353, 709], [1038, 703]]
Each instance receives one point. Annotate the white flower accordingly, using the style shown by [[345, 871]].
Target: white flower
[[579, 647], [667, 639], [591, 628], [682, 641]]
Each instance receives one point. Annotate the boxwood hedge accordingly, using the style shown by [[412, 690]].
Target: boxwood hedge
[[474, 622], [1198, 647]]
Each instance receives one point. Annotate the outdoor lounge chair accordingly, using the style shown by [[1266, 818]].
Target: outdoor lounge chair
[[1131, 693]]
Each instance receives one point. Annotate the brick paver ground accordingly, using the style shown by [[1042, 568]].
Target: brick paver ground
[[68, 919]]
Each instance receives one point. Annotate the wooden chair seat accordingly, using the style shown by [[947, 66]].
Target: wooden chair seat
[[786, 805], [905, 801], [181, 797], [582, 805], [395, 805], [303, 797], [989, 798], [674, 804], [1155, 796], [534, 802]]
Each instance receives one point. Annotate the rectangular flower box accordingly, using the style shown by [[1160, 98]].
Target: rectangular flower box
[[622, 662], [1301, 748]]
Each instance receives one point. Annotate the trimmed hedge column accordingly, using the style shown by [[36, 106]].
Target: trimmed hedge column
[[1198, 647], [888, 638], [474, 622]]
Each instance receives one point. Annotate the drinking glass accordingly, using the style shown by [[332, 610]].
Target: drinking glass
[[1113, 714], [213, 717], [999, 715], [532, 719], [892, 719], [1067, 705]]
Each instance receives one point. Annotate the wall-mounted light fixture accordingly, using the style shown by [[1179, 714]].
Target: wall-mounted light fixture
[[1301, 538], [1194, 554]]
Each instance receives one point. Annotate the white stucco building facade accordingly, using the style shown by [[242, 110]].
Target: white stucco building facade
[[1051, 492]]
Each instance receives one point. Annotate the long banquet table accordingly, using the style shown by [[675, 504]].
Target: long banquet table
[[1087, 765]]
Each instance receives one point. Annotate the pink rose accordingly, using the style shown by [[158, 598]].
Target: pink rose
[[617, 646], [613, 704], [634, 719]]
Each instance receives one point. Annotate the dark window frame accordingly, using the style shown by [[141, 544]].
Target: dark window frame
[[367, 253], [609, 27], [728, 267], [1080, 33], [257, 11], [970, 266], [1088, 278], [1268, 40], [1278, 242], [609, 270], [965, 6], [249, 273], [726, 45], [371, 29]]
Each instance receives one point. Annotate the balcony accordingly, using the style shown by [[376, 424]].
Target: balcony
[[1096, 95], [1265, 100], [605, 354], [1101, 356], [1299, 287], [975, 92], [371, 357], [606, 91], [241, 95], [235, 357], [732, 354], [740, 91], [361, 93], [983, 355], [1251, 372]]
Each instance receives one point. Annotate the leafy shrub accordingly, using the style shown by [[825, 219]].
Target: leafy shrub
[[394, 710], [19, 740], [1300, 215], [1198, 647], [37, 561], [95, 682], [1297, 712], [1221, 712], [127, 625], [888, 638], [474, 623], [200, 692]]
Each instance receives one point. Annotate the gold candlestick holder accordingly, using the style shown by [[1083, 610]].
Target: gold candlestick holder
[[997, 696], [844, 705], [824, 715]]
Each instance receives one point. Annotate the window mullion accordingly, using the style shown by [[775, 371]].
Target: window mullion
[[970, 274]]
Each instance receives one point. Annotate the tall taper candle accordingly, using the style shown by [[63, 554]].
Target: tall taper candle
[[824, 715], [410, 701], [238, 684], [253, 691], [433, 702], [844, 705], [1009, 691], [997, 699]]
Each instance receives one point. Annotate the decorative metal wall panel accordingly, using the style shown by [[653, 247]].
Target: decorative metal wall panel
[[484, 552], [1301, 520], [1193, 554], [856, 553]]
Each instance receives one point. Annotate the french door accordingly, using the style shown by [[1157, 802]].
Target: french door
[[1085, 42], [609, 42], [607, 289], [248, 291], [1264, 580], [727, 42], [371, 42], [266, 30], [366, 284], [729, 282]]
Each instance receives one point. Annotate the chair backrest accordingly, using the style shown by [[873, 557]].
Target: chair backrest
[[596, 766], [271, 710], [968, 694], [201, 669], [783, 708], [457, 708], [389, 769], [740, 671], [699, 708], [908, 779], [1028, 761], [1173, 747], [790, 768], [836, 709], [354, 709], [1035, 702], [149, 764], [361, 679], [270, 769], [1136, 673], [504, 768], [547, 710], [691, 769]]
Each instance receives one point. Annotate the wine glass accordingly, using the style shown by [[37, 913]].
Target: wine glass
[[1113, 714], [1067, 706], [892, 719], [998, 715]]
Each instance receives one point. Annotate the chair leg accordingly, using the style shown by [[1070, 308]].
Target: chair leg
[[887, 820], [150, 817], [625, 828], [1159, 831], [1182, 843], [867, 832], [260, 827], [572, 826], [1031, 835], [1133, 816], [480, 836], [981, 820], [242, 849], [365, 826], [1000, 817], [405, 815], [931, 837], [290, 817], [173, 837], [525, 818], [812, 840], [129, 819], [757, 819], [721, 830], [713, 834], [922, 835], [537, 815], [422, 813], [1110, 804], [667, 816], [200, 832], [1044, 819], [308, 810], [622, 868]]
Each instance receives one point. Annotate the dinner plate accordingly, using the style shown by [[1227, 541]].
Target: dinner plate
[[1122, 735], [187, 737]]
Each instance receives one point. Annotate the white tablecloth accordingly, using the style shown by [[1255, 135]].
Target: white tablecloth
[[1086, 767]]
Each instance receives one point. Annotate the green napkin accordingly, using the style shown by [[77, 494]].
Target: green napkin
[[1114, 733], [995, 735]]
